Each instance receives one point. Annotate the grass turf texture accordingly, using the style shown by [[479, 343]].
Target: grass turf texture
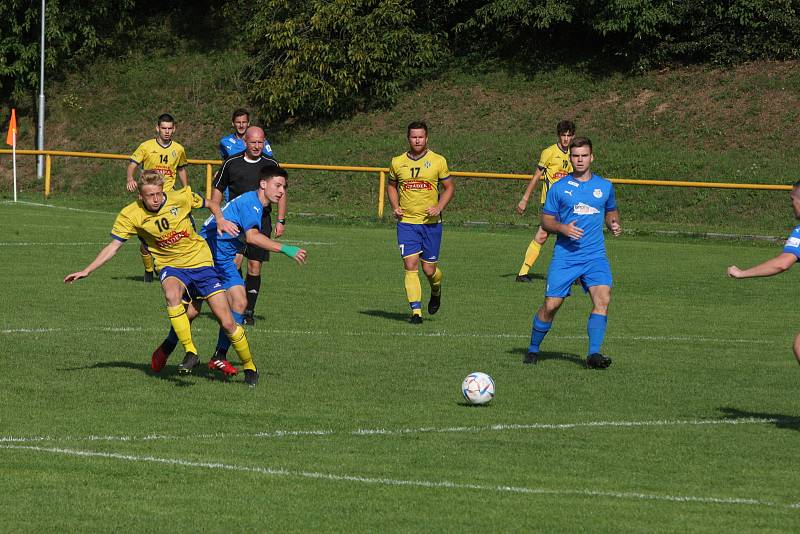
[[358, 423]]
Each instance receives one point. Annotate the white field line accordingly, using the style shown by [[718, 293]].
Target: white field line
[[383, 481], [61, 244], [37, 204], [394, 333], [402, 431]]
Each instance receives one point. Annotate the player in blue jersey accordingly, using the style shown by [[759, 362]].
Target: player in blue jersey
[[245, 213], [780, 263], [576, 209], [233, 144]]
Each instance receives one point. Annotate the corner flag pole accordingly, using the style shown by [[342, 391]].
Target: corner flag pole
[[11, 139]]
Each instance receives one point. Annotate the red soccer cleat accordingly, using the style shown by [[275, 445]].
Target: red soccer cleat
[[223, 366], [159, 359]]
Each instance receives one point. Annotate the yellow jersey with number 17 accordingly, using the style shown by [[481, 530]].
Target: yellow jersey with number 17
[[168, 233], [554, 163], [151, 156], [418, 185]]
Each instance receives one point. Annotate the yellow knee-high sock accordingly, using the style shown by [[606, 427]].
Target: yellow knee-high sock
[[530, 257], [180, 323], [414, 291], [436, 281], [147, 261], [242, 347]]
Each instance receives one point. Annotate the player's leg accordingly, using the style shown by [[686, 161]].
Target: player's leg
[[559, 283], [409, 241], [431, 244], [237, 300], [148, 262], [532, 254], [159, 358], [598, 281], [797, 348], [255, 258], [174, 288], [218, 303]]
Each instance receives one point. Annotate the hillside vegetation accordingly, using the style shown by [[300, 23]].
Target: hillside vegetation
[[689, 123]]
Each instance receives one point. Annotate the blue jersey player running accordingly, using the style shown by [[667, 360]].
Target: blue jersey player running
[[576, 208], [780, 263]]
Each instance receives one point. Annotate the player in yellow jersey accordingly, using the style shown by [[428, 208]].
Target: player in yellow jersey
[[166, 156], [163, 221], [553, 165], [414, 181]]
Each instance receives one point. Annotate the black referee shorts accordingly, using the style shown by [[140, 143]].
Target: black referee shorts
[[252, 252]]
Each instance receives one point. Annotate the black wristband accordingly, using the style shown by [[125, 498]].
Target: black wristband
[[281, 221]]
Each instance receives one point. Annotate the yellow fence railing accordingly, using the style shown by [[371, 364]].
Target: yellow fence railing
[[381, 172]]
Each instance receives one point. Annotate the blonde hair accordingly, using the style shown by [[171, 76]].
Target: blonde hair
[[151, 178]]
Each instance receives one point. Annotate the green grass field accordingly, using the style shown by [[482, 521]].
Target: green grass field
[[358, 423]]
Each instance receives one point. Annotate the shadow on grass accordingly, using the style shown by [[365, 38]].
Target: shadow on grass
[[779, 420], [545, 356], [535, 276], [392, 316], [169, 374]]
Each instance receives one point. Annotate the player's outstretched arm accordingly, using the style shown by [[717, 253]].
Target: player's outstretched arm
[[254, 237], [526, 196], [778, 264], [108, 252], [214, 205], [612, 223], [183, 176]]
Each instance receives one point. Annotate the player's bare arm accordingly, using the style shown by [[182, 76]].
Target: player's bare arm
[[131, 184], [394, 199], [612, 223], [778, 264], [279, 226], [214, 205], [254, 237], [444, 199], [183, 176], [108, 252], [551, 225], [526, 196]]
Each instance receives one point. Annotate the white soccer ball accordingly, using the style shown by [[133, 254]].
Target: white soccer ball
[[478, 388]]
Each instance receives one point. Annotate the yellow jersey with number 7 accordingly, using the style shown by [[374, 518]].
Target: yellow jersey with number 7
[[418, 185]]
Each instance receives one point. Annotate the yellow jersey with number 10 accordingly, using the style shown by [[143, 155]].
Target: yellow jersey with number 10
[[151, 156], [555, 164], [168, 233], [418, 185]]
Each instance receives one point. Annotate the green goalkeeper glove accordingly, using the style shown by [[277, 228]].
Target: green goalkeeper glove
[[290, 251]]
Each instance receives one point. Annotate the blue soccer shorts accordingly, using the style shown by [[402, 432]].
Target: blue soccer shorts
[[200, 282], [423, 239], [561, 276], [224, 252]]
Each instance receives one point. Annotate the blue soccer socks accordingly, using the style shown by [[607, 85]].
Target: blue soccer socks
[[596, 328], [539, 329]]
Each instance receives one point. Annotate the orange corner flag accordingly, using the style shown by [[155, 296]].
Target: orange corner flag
[[12, 129]]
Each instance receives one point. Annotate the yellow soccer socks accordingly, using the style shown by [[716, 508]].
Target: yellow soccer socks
[[414, 292], [182, 327], [531, 255], [242, 347]]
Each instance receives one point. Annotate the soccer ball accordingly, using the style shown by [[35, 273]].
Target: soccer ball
[[478, 388]]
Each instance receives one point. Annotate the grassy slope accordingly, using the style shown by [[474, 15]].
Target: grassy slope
[[680, 124]]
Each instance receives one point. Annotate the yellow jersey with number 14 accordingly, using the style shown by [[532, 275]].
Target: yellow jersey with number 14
[[555, 164], [151, 156], [418, 185], [168, 233]]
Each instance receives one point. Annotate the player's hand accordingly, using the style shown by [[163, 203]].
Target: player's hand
[[398, 213], [224, 226], [434, 211], [301, 256], [131, 186], [734, 272], [523, 204], [75, 276], [571, 231], [279, 228], [616, 229]]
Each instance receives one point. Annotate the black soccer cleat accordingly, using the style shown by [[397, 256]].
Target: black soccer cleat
[[524, 278], [251, 378], [415, 319], [598, 361], [148, 276], [434, 303], [189, 362], [248, 318], [531, 358]]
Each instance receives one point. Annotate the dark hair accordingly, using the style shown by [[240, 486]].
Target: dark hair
[[238, 112], [417, 125], [268, 172], [165, 117], [565, 127], [579, 142]]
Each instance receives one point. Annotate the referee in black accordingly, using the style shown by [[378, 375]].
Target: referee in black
[[240, 174]]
